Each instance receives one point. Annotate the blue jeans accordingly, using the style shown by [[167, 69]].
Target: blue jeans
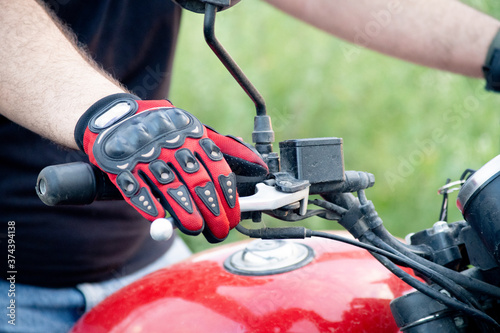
[[42, 310]]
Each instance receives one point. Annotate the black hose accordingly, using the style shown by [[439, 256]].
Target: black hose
[[441, 280], [476, 314], [384, 256], [465, 281], [380, 254]]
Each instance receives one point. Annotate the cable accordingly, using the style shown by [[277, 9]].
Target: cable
[[466, 281], [434, 294], [329, 206], [410, 280], [455, 289], [382, 255], [441, 280]]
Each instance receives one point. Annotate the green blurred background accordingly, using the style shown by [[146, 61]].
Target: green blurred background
[[412, 127]]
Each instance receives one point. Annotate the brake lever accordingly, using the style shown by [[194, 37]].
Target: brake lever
[[266, 198], [269, 198]]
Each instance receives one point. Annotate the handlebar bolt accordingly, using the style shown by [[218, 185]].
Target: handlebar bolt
[[440, 226], [285, 183]]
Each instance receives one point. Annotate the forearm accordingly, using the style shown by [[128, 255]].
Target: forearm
[[444, 34], [45, 82]]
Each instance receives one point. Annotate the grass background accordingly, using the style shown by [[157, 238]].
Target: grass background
[[412, 127]]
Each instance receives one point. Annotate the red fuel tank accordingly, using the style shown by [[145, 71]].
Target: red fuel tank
[[313, 285]]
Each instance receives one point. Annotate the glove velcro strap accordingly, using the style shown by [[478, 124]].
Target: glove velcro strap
[[98, 108]]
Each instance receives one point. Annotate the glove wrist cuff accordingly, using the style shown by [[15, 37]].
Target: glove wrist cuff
[[88, 119]]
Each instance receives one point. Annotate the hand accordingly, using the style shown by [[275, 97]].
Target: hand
[[163, 158]]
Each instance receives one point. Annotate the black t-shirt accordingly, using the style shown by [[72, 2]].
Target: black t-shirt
[[63, 246]]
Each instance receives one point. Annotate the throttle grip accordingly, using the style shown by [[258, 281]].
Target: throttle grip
[[77, 183], [81, 183]]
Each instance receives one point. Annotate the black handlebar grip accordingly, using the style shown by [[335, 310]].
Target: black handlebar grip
[[80, 183], [76, 183]]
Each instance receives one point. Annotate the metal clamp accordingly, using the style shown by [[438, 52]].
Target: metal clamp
[[451, 187]]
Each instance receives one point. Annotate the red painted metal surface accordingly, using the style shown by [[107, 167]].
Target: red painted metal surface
[[342, 290]]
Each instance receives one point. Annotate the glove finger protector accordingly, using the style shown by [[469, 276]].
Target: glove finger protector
[[161, 158]]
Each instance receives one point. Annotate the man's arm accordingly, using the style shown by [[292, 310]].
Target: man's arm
[[45, 81], [443, 34]]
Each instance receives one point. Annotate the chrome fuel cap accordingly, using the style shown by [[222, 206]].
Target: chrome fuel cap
[[267, 257]]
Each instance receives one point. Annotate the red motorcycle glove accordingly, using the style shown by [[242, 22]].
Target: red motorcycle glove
[[163, 158]]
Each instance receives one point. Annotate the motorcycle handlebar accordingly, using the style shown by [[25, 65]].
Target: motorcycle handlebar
[[80, 183], [77, 183]]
